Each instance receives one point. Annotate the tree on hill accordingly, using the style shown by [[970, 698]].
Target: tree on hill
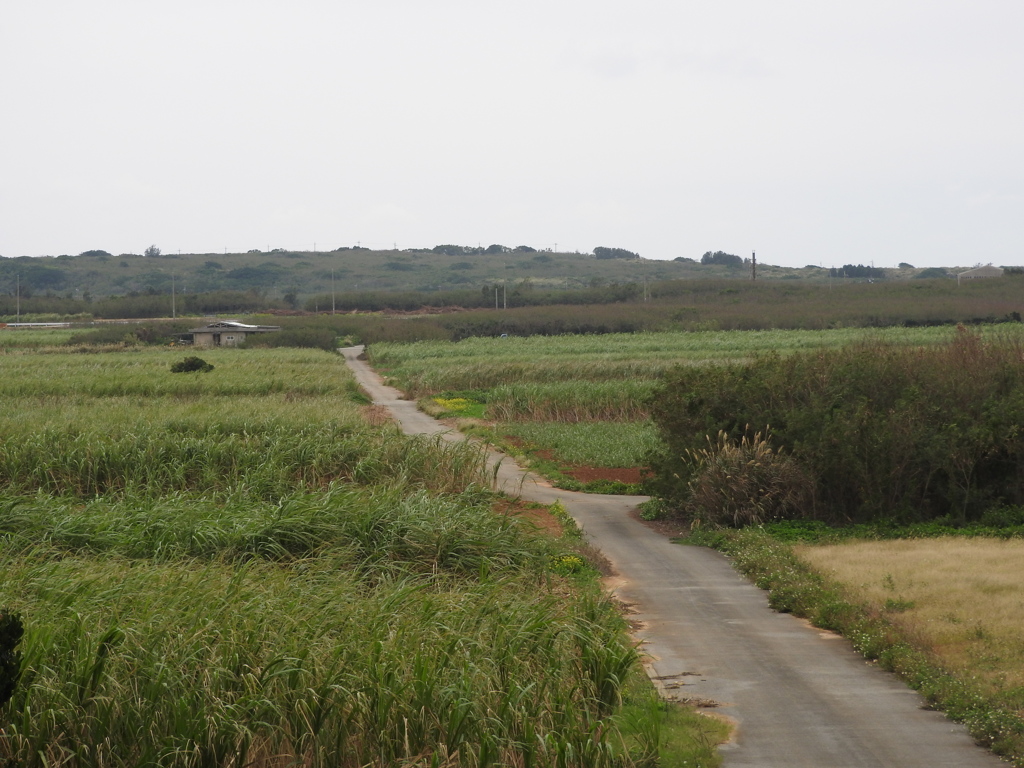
[[456, 250], [602, 252], [857, 270], [721, 257], [152, 251]]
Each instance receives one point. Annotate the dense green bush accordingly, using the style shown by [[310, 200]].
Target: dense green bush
[[191, 364], [884, 432]]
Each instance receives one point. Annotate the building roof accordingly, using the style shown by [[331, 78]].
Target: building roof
[[233, 325], [987, 271]]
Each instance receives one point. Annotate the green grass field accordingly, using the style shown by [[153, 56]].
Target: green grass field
[[542, 391], [589, 443], [428, 367], [233, 568], [29, 338]]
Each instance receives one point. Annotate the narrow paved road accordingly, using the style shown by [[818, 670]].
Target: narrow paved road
[[800, 697]]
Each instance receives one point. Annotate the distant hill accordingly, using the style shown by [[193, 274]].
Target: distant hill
[[296, 276]]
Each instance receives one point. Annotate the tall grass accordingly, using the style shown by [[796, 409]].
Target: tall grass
[[267, 462], [589, 443], [267, 422], [27, 338], [429, 367], [571, 401], [375, 530], [146, 372], [132, 664], [232, 568]]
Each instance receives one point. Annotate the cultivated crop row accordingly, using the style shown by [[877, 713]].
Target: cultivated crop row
[[233, 568]]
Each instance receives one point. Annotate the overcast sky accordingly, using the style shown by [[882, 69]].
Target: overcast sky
[[809, 132]]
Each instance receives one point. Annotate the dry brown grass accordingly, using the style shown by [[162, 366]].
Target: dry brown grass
[[962, 599]]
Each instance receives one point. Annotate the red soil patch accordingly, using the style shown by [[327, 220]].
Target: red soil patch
[[585, 474]]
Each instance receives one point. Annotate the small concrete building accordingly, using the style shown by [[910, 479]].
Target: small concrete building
[[980, 272], [227, 333]]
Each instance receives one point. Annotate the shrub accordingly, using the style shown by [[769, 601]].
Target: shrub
[[745, 482], [884, 432], [191, 364]]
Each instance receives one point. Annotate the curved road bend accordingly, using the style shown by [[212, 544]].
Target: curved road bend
[[800, 697]]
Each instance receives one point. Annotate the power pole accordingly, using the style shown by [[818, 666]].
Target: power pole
[[332, 292], [753, 265]]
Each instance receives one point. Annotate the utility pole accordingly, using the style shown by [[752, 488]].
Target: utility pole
[[753, 265], [332, 292]]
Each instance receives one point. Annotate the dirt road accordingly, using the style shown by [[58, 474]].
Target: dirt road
[[799, 697]]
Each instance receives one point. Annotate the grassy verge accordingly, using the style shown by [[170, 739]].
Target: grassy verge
[[795, 587]]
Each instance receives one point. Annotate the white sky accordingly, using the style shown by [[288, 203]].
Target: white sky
[[808, 131]]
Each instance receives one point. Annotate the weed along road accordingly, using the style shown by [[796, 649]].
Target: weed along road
[[798, 697]]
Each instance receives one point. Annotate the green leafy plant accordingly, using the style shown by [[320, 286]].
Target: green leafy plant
[[191, 364]]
